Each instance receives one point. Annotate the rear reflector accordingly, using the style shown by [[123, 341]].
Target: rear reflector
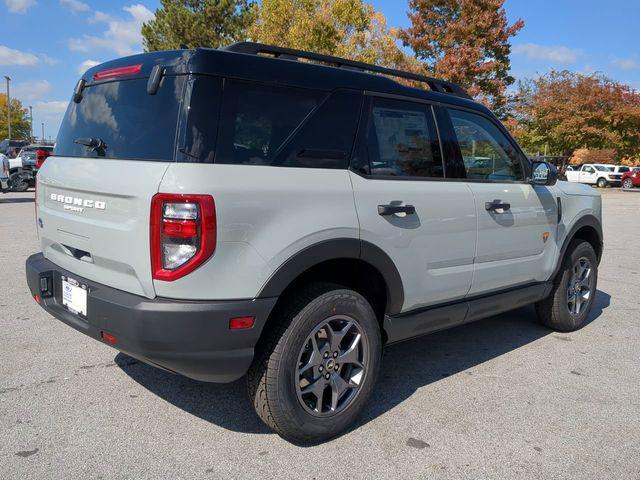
[[36, 297], [179, 228], [118, 72], [241, 323], [107, 337]]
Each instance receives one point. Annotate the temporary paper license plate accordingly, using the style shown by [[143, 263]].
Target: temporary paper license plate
[[74, 296]]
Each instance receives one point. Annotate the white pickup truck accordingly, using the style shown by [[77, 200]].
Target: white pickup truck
[[595, 174]]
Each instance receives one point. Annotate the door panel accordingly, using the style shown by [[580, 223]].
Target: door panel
[[515, 246], [399, 164], [588, 174], [433, 249], [517, 222]]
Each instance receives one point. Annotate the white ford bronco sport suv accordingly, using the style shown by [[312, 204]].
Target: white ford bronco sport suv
[[283, 215]]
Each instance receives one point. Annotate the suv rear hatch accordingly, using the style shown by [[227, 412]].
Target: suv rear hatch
[[94, 199]]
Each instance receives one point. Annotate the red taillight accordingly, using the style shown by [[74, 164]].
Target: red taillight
[[117, 72], [183, 234], [36, 297], [41, 156]]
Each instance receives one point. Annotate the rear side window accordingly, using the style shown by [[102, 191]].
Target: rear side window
[[402, 140], [203, 99], [133, 124], [325, 140], [487, 153], [258, 119]]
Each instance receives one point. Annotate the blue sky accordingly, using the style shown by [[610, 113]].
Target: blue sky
[[45, 44]]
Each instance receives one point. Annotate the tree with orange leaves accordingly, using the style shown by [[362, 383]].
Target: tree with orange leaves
[[565, 111], [466, 42]]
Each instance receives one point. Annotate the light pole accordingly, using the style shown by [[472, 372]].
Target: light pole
[[8, 79], [31, 122], [43, 140]]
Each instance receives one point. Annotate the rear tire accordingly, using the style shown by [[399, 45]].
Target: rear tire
[[628, 183], [314, 329], [602, 183], [574, 289]]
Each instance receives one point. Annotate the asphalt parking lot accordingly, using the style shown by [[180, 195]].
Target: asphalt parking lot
[[502, 398]]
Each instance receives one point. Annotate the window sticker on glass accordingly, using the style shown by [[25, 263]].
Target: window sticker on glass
[[401, 142], [403, 130]]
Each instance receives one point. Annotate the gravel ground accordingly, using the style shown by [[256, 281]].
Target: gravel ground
[[501, 398]]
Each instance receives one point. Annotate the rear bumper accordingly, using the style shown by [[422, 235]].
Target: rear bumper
[[190, 338]]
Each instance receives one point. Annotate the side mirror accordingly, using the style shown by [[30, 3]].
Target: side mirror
[[543, 173]]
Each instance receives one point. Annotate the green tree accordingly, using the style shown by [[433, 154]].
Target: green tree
[[566, 111], [464, 41], [20, 125], [197, 23], [344, 28]]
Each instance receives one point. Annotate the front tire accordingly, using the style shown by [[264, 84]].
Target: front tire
[[574, 289], [602, 183], [628, 183], [317, 366]]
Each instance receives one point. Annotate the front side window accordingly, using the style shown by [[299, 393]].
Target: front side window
[[588, 170], [402, 140], [487, 153]]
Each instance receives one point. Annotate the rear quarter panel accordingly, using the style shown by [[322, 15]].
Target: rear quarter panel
[[264, 215]]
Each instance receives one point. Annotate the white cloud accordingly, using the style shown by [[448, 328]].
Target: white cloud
[[86, 65], [122, 36], [18, 58], [99, 16], [19, 6], [31, 90], [75, 5], [48, 60], [10, 56], [555, 54], [626, 63]]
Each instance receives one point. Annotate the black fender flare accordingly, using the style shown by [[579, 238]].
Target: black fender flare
[[350, 248], [585, 221]]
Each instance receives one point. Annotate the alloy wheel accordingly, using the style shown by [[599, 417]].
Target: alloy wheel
[[580, 286], [332, 365]]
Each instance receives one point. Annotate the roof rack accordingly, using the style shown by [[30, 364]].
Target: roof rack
[[436, 85]]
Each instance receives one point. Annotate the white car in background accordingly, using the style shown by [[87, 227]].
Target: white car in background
[[595, 174]]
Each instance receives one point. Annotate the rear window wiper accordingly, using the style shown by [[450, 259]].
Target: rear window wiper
[[95, 144]]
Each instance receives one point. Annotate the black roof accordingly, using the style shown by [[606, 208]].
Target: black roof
[[241, 61]]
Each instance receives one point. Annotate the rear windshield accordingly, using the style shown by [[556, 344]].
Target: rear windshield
[[133, 124]]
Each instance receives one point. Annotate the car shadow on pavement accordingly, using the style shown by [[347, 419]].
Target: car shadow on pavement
[[406, 367]]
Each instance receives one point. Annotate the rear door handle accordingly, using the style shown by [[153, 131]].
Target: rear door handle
[[393, 209], [497, 205]]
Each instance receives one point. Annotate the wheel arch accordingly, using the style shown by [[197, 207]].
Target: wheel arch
[[336, 253], [587, 228]]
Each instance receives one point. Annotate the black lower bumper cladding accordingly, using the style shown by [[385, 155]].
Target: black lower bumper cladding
[[191, 338]]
